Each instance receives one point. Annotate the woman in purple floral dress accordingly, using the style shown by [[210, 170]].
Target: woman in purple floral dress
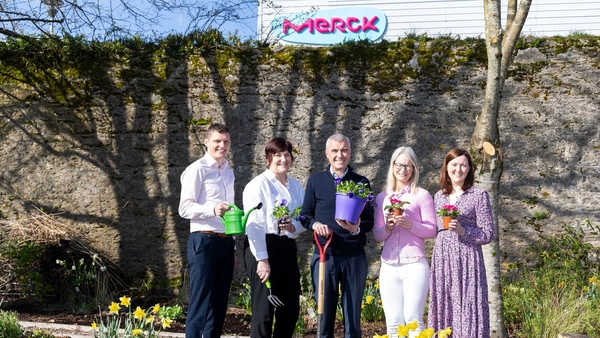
[[458, 285]]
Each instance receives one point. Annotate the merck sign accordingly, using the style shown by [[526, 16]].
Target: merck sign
[[332, 26]]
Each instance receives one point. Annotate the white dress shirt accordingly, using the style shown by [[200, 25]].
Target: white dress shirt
[[266, 188], [204, 185]]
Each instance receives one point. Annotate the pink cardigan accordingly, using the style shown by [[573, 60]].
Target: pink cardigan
[[402, 245]]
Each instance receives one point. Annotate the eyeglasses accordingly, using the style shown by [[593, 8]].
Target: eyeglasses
[[400, 166]]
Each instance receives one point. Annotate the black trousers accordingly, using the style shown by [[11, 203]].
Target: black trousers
[[285, 284]]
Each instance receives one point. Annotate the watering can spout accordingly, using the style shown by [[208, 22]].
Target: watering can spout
[[245, 219], [235, 220]]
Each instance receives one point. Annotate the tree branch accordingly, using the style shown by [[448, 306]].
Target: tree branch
[[510, 13], [19, 36], [512, 35]]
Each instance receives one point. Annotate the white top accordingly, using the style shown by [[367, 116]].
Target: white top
[[267, 189], [204, 185]]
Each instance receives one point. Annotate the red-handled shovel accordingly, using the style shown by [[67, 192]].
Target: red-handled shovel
[[321, 298]]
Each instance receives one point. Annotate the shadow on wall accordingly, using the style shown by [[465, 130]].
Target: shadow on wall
[[104, 137]]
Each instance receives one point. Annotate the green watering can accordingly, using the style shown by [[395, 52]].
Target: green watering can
[[235, 220]]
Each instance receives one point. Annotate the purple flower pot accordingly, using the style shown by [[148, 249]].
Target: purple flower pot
[[347, 208]]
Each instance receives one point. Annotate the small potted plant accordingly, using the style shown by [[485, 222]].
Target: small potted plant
[[448, 213], [281, 209], [350, 200], [396, 205]]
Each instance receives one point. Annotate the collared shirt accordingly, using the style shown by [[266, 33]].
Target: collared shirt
[[335, 175], [203, 185], [266, 188]]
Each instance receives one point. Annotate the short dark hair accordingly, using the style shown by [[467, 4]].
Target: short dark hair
[[445, 183], [277, 145], [217, 127]]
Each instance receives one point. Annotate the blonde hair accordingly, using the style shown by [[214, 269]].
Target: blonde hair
[[391, 184]]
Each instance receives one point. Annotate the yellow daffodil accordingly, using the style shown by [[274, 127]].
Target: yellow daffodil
[[378, 336], [412, 325], [585, 288], [125, 301], [114, 308], [369, 299], [402, 330], [362, 305], [427, 333], [149, 319], [136, 332], [445, 333], [379, 301], [166, 323], [593, 280], [377, 284], [561, 284], [139, 313], [156, 308], [94, 325]]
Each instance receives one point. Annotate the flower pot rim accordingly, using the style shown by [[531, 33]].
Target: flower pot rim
[[355, 196]]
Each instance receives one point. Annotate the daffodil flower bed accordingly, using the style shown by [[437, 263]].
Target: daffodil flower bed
[[372, 309], [139, 323], [403, 331]]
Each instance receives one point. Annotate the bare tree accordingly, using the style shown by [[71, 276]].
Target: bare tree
[[485, 141], [98, 19]]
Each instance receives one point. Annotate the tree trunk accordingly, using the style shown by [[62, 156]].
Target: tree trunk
[[485, 142]]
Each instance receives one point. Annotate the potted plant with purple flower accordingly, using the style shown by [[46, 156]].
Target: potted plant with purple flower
[[281, 211], [448, 212], [351, 198]]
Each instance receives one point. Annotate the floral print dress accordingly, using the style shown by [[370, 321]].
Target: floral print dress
[[458, 285]]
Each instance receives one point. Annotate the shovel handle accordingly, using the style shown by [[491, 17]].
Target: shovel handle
[[321, 286], [322, 249]]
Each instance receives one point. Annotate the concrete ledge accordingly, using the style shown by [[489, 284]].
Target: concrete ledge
[[80, 331]]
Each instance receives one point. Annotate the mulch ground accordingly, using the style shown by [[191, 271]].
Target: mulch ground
[[237, 321]]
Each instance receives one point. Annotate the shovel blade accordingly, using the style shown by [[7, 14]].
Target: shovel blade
[[276, 302]]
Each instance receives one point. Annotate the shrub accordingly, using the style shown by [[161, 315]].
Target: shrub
[[40, 334], [174, 312], [558, 292], [9, 325], [24, 257]]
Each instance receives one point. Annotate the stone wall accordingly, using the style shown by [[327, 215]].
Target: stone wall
[[102, 143]]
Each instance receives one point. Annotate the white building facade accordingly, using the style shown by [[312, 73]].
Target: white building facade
[[334, 21]]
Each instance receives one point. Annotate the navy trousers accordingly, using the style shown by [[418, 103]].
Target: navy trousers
[[210, 263], [348, 273]]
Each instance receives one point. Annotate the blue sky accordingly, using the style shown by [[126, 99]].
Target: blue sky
[[178, 23]]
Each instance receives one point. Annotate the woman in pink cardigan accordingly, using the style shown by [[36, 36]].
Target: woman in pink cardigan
[[404, 274]]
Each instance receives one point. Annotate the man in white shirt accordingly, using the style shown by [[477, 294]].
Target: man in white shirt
[[206, 192]]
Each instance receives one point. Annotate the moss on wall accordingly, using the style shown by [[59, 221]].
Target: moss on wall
[[104, 129]]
